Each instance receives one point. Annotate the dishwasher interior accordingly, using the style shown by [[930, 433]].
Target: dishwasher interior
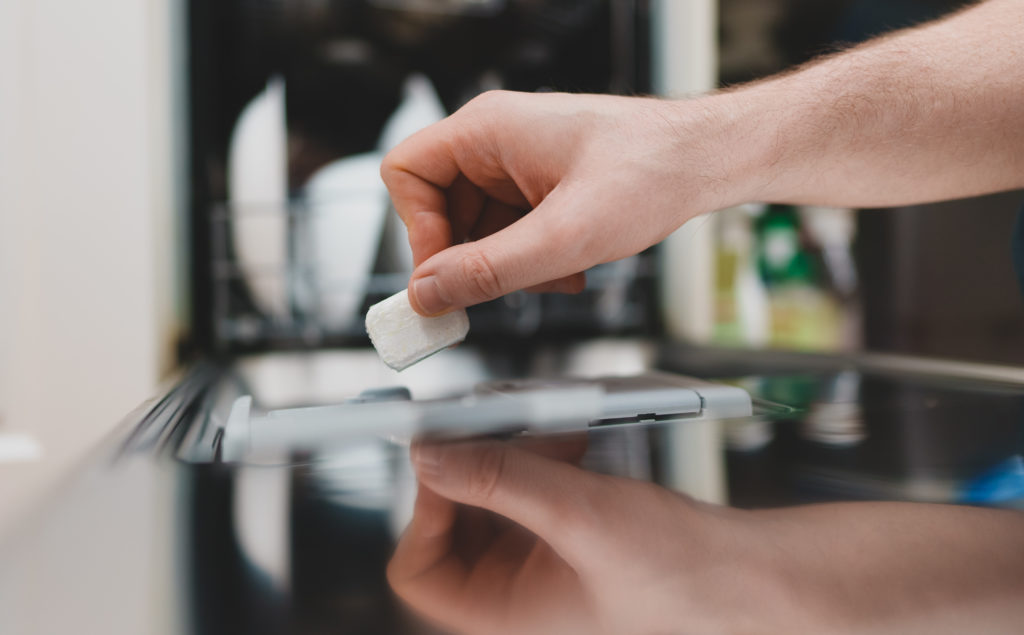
[[294, 104]]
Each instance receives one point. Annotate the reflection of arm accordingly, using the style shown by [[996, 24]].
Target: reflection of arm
[[620, 556], [924, 114], [903, 567]]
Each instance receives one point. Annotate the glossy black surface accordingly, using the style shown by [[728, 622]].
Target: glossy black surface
[[301, 545]]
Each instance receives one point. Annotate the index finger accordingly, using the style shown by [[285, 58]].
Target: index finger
[[426, 546], [554, 500], [417, 172]]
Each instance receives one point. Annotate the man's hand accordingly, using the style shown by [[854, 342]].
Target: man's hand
[[527, 191]]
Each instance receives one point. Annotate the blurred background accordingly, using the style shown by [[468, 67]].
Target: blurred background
[[186, 180], [191, 219]]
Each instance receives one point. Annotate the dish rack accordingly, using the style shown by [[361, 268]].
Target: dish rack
[[290, 301]]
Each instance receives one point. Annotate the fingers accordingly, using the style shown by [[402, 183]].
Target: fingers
[[450, 183], [542, 246], [439, 204], [417, 173], [426, 544], [465, 207], [494, 217], [473, 218], [554, 500], [429, 233]]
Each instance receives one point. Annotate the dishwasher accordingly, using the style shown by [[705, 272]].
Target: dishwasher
[[264, 489], [193, 519]]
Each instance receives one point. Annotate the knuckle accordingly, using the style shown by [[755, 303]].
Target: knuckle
[[486, 473], [388, 167], [488, 100], [393, 573], [479, 275]]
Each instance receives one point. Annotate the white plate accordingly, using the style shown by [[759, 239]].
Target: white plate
[[258, 197], [347, 204]]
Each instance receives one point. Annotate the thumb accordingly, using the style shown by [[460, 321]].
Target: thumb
[[555, 500], [541, 247]]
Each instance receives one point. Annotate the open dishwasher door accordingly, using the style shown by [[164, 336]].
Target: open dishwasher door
[[163, 532], [166, 531]]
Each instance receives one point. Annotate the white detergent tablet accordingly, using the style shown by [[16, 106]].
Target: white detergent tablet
[[403, 337]]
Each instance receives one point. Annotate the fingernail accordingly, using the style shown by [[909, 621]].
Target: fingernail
[[426, 459], [429, 297]]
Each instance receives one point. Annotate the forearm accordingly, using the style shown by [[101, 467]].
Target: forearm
[[901, 567], [926, 114]]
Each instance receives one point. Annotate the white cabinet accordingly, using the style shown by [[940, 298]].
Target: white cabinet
[[88, 238]]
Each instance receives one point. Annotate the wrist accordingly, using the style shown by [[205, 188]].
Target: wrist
[[730, 142], [776, 586]]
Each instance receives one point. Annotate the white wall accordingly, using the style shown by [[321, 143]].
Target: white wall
[[86, 224]]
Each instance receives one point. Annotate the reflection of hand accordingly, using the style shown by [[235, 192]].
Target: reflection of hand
[[589, 553], [471, 570]]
